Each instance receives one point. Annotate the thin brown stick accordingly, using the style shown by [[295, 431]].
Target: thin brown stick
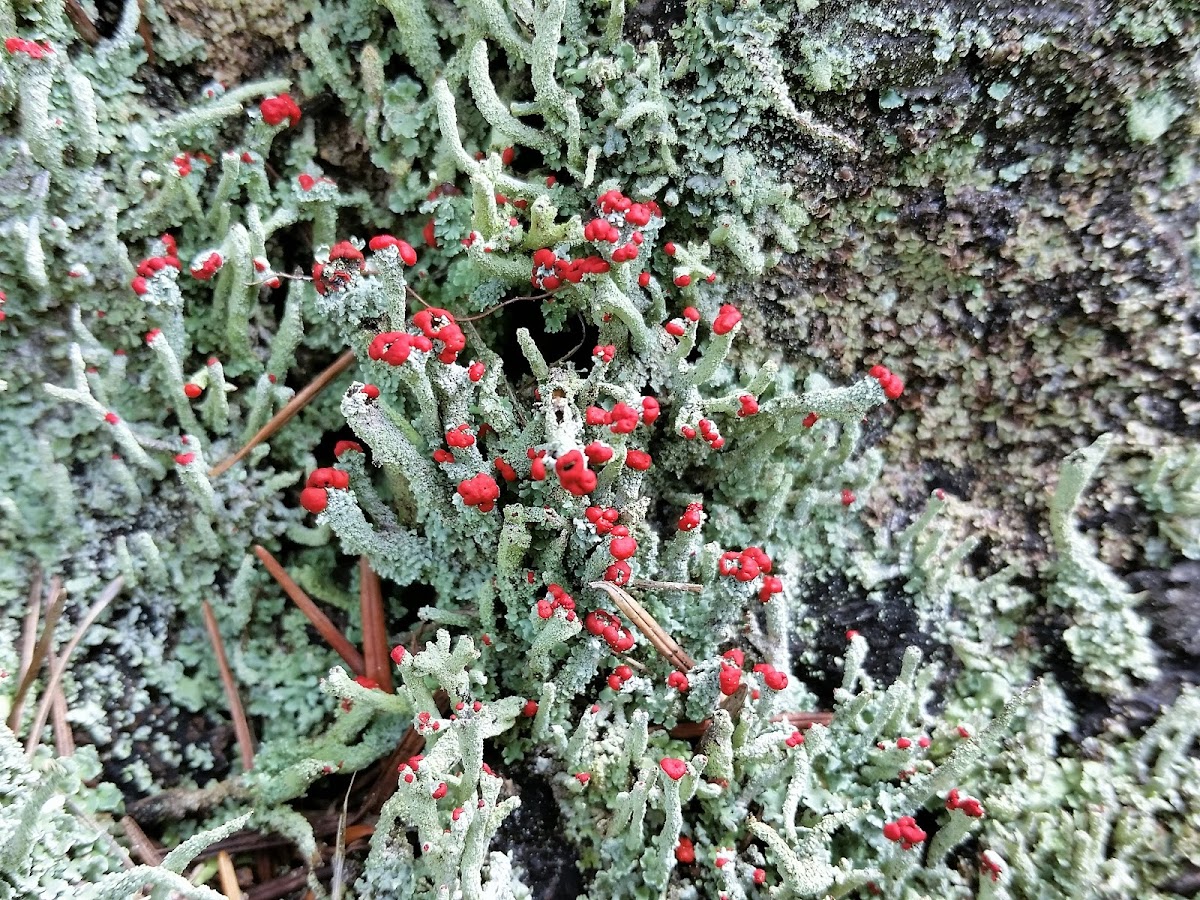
[[29, 633], [651, 585], [416, 296], [82, 22], [805, 720], [499, 306], [577, 347], [60, 665], [146, 34], [141, 844], [241, 727], [689, 731], [333, 637], [54, 608], [175, 804], [64, 738], [281, 418], [662, 642], [374, 626], [228, 877]]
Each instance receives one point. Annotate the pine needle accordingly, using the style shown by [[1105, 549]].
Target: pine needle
[[60, 665], [228, 877], [347, 651], [64, 738], [54, 608], [662, 642], [241, 727], [374, 626]]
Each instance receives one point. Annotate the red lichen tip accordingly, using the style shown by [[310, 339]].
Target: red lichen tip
[[728, 316], [314, 499], [275, 110], [481, 491], [639, 460], [674, 768], [905, 831], [382, 241], [685, 851]]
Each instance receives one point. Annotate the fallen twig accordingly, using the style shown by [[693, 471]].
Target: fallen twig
[[141, 844], [60, 665], [663, 642], [54, 608], [241, 727], [347, 651], [374, 627], [175, 804]]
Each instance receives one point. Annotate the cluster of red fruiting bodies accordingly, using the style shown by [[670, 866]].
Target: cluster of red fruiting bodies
[[205, 265], [748, 564], [904, 831], [32, 49], [616, 232], [280, 109], [152, 265], [575, 468]]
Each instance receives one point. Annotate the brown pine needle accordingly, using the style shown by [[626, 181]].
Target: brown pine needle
[[241, 727], [689, 731], [374, 626], [356, 832], [147, 35], [281, 418], [663, 642], [64, 738], [60, 665], [54, 608], [84, 26], [228, 877], [805, 720], [333, 637], [651, 585], [142, 845], [29, 633]]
